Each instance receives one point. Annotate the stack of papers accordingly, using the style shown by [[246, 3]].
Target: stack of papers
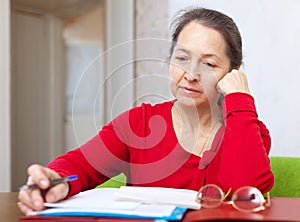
[[126, 202], [157, 195]]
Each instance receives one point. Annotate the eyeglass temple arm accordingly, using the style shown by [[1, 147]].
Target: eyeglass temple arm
[[268, 202], [227, 194]]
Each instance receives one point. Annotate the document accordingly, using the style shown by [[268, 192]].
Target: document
[[126, 202], [158, 195]]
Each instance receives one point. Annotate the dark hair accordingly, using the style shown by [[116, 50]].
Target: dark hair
[[212, 19]]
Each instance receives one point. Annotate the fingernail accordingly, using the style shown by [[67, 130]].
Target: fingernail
[[43, 182]]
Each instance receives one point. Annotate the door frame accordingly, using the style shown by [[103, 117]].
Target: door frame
[[119, 32], [5, 126]]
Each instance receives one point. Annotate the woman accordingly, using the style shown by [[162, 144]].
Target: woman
[[186, 143]]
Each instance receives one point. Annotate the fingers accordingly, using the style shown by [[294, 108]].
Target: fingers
[[57, 192], [41, 175], [234, 81], [24, 209], [30, 200], [33, 199]]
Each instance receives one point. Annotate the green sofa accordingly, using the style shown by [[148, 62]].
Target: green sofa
[[114, 182], [286, 171]]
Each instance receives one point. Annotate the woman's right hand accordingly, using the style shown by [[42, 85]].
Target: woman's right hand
[[32, 200]]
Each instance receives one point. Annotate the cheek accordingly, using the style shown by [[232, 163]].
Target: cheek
[[209, 84], [176, 74], [220, 75], [215, 78], [209, 80]]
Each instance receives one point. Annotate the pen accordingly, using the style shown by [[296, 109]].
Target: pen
[[52, 182]]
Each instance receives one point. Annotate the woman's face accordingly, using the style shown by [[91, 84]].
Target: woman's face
[[198, 62]]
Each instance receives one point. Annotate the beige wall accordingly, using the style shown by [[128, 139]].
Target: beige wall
[[88, 27], [152, 48], [4, 96], [119, 57]]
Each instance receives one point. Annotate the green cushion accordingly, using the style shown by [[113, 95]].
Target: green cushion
[[114, 182], [286, 171]]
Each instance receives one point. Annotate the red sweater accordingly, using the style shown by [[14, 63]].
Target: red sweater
[[142, 144]]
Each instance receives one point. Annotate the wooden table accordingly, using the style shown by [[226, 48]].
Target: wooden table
[[9, 211], [282, 209]]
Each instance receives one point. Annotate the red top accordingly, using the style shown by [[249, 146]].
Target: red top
[[142, 144]]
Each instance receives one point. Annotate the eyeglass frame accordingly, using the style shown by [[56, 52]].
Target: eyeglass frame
[[266, 202]]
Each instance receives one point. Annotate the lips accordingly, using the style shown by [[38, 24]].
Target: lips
[[190, 89]]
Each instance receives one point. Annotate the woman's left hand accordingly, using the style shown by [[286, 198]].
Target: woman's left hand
[[234, 81]]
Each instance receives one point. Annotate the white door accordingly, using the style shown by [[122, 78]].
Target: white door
[[37, 110]]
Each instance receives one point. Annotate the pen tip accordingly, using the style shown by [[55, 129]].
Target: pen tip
[[73, 177]]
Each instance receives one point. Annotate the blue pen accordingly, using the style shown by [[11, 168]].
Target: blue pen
[[52, 182]]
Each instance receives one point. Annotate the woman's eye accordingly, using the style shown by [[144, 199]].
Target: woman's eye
[[181, 58], [210, 65]]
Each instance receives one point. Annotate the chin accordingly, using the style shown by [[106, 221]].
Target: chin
[[191, 103]]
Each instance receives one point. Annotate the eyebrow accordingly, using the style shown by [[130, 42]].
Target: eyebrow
[[208, 55]]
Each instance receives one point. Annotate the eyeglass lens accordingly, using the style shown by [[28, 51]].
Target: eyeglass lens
[[244, 199], [247, 198], [211, 196]]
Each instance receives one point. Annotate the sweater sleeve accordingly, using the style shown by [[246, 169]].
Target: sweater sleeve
[[102, 157], [245, 146], [74, 163]]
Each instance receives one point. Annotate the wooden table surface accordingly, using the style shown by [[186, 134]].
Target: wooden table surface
[[9, 211], [282, 209]]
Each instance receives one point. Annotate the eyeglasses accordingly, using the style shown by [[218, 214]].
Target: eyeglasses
[[246, 199]]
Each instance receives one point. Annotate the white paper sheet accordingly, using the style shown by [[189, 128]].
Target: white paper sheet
[[159, 195], [101, 202]]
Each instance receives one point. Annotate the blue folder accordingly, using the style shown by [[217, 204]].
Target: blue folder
[[177, 214]]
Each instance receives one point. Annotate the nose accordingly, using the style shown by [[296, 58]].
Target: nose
[[193, 73], [191, 76]]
